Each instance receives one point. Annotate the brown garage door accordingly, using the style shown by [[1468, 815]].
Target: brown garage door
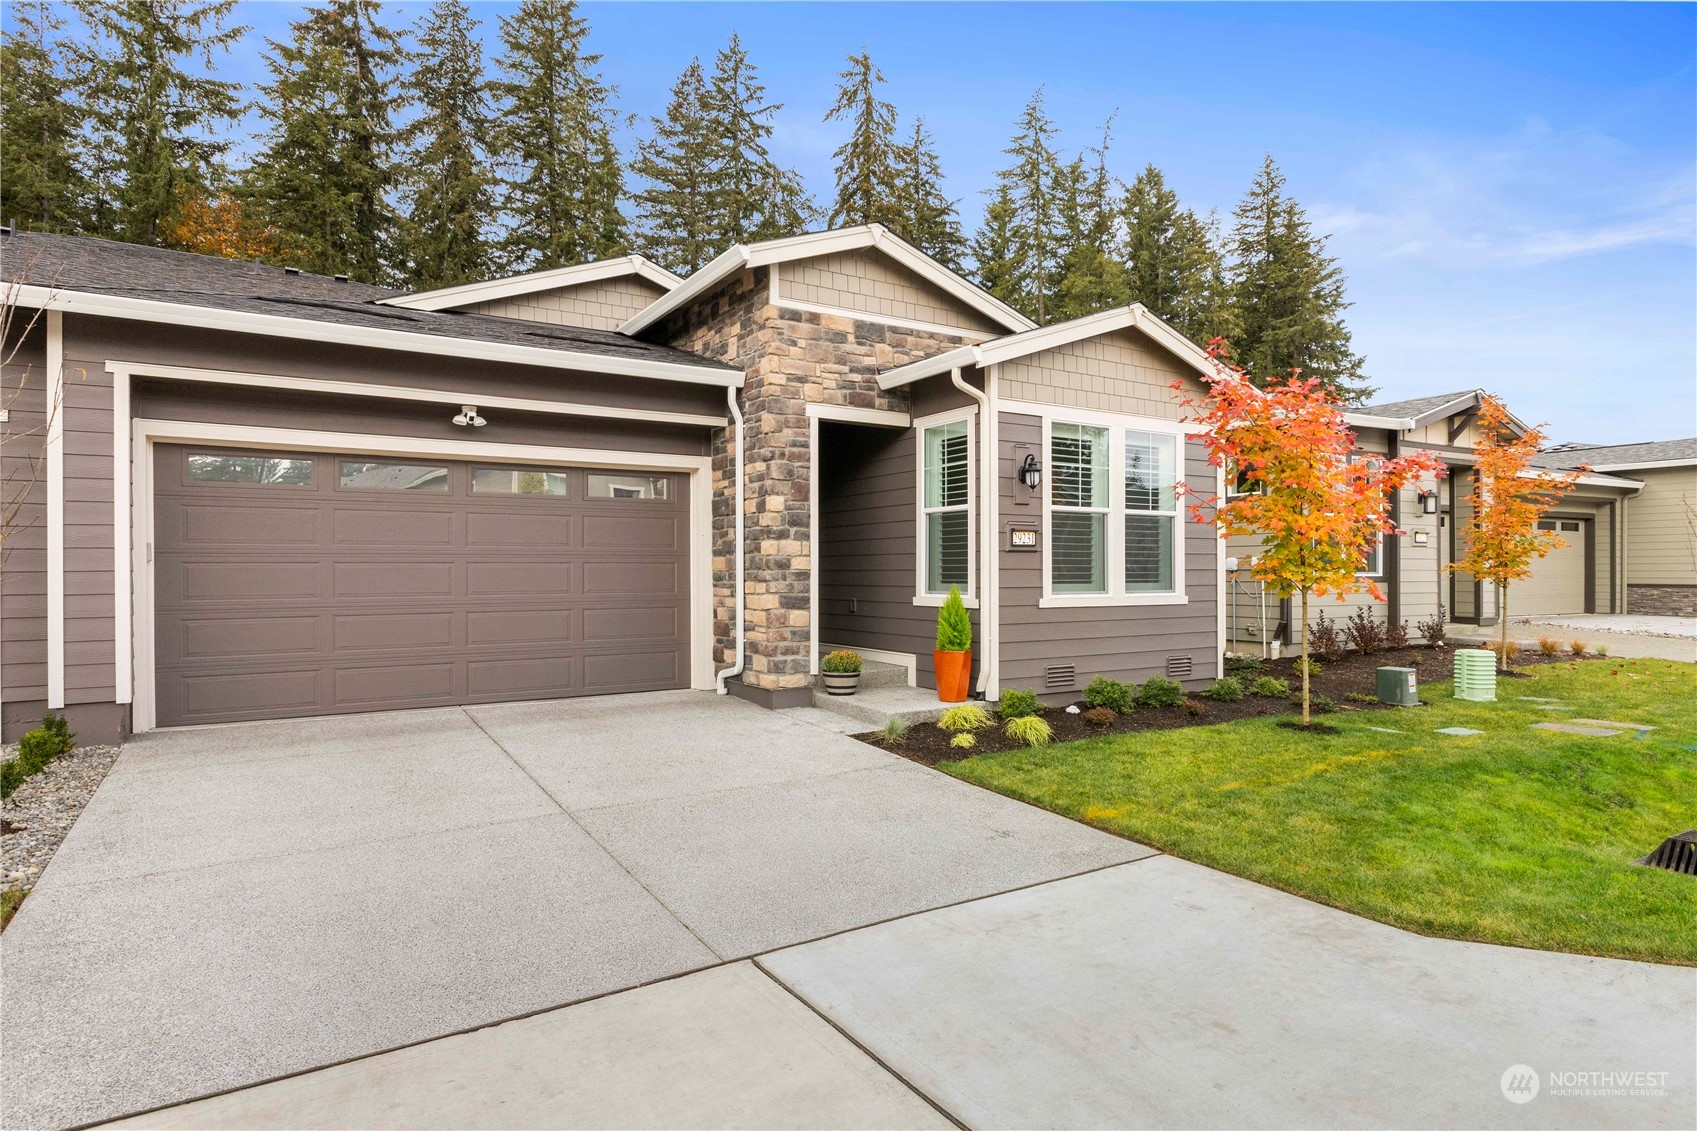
[[308, 584]]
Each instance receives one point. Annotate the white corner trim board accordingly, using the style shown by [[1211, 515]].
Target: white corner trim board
[[54, 443], [311, 330], [134, 588], [410, 393]]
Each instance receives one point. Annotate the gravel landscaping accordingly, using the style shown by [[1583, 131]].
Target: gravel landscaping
[[42, 810]]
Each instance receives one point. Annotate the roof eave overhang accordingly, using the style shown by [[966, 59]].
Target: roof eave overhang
[[1646, 465], [1386, 423], [468, 294], [306, 329]]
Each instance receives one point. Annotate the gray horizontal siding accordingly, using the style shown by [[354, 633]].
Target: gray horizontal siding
[[23, 567], [1124, 642]]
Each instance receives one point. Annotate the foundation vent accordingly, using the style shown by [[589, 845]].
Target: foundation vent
[[1178, 667], [1060, 677]]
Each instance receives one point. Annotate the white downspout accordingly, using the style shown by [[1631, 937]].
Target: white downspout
[[987, 533], [736, 526]]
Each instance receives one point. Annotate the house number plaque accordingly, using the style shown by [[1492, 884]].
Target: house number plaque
[[1022, 538]]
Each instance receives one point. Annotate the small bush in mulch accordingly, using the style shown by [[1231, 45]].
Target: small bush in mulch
[[1160, 692], [35, 749], [1226, 689], [1111, 695], [1018, 704], [1270, 687], [1101, 716]]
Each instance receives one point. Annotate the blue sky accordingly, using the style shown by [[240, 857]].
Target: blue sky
[[1511, 189]]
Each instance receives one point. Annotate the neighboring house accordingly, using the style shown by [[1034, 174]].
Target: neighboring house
[[270, 494], [1659, 540], [1597, 569]]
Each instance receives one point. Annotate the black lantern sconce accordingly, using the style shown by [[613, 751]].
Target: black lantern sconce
[[1031, 472], [1428, 502]]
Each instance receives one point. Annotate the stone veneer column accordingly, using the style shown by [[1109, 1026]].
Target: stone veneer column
[[791, 359]]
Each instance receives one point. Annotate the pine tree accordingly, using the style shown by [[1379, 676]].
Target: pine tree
[[1091, 276], [924, 216], [677, 224], [867, 186], [1287, 294], [43, 184], [1172, 259], [448, 192], [995, 252], [565, 177], [1028, 187], [155, 123], [324, 177], [754, 198]]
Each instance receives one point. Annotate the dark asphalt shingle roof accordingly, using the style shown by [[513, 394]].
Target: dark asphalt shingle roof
[[1414, 407], [1617, 455], [75, 263]]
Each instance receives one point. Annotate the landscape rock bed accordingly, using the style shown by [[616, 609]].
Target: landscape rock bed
[[43, 809], [1355, 674]]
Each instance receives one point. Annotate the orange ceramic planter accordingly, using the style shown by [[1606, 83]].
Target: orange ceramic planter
[[954, 674]]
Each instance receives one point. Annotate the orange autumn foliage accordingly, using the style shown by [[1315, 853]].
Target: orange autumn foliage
[[219, 225]]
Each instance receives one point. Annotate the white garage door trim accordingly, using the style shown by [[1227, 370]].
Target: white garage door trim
[[133, 480]]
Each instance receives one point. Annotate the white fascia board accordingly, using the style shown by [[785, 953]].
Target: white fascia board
[[1447, 410], [1386, 423], [828, 243], [467, 294], [1028, 342], [304, 329], [1587, 479], [1646, 465]]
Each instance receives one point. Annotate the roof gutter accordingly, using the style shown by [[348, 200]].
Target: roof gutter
[[306, 329]]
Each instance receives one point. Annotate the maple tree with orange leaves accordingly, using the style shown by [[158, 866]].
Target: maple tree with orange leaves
[[219, 225], [1318, 511], [1508, 498]]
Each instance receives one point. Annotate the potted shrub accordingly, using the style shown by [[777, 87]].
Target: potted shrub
[[841, 670], [953, 657]]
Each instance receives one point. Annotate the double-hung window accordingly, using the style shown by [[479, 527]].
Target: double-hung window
[[1114, 530], [945, 524]]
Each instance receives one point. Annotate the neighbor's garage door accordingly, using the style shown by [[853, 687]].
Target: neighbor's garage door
[[1557, 584], [306, 584]]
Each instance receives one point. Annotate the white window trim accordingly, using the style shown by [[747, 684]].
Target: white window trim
[[1378, 572], [969, 594], [1116, 596]]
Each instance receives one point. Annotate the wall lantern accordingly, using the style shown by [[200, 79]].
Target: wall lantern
[[468, 415], [1031, 472], [1428, 502]]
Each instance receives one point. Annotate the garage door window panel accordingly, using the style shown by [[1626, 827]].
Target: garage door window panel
[[251, 471], [611, 485], [519, 481], [418, 478]]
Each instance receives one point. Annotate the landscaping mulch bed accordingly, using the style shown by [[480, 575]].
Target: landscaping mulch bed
[[42, 810], [1354, 674]]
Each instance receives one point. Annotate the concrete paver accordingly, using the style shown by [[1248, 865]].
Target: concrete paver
[[725, 1047], [1164, 994]]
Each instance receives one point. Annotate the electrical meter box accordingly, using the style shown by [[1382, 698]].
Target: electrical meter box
[[1398, 687]]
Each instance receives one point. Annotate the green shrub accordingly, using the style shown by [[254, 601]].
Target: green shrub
[[1029, 729], [965, 740], [954, 627], [969, 716], [1160, 692], [1226, 689], [1018, 704], [1270, 687], [842, 662], [1310, 665], [35, 749], [1321, 704], [1243, 665], [1110, 693], [1359, 697], [894, 731]]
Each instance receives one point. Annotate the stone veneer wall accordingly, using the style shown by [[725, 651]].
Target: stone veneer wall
[[791, 359], [1662, 600]]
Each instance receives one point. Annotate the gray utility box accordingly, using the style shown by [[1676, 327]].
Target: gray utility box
[[1397, 686]]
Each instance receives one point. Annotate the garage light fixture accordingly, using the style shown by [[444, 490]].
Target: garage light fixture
[[1031, 472], [1428, 502], [468, 415]]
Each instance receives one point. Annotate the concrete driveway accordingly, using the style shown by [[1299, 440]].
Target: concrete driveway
[[245, 902]]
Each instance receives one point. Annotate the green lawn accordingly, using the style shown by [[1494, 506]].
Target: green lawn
[[1516, 836]]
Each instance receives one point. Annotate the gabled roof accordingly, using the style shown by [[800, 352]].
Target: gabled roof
[[1028, 342], [179, 288], [745, 256], [1621, 457], [1418, 412], [469, 294]]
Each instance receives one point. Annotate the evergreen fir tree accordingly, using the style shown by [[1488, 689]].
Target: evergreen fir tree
[[678, 226], [1028, 187], [42, 183], [154, 122], [1172, 259], [556, 136], [1287, 294], [448, 192], [324, 177], [923, 215], [1091, 277], [754, 198], [995, 250], [867, 188]]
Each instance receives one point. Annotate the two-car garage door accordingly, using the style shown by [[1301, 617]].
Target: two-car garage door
[[291, 583]]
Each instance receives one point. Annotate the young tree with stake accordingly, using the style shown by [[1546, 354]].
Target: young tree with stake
[[1318, 512], [1508, 499]]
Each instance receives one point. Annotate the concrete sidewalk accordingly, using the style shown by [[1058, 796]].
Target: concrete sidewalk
[[1627, 637]]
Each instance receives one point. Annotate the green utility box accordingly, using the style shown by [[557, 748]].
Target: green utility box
[[1397, 686]]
